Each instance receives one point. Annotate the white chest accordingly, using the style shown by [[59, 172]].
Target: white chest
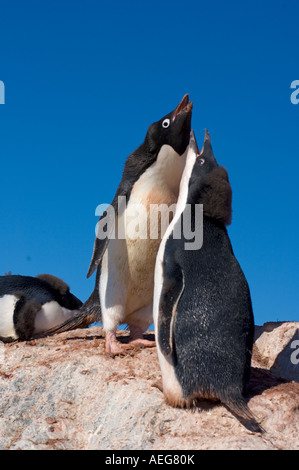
[[7, 307], [127, 276]]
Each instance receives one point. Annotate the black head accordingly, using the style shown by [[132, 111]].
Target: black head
[[70, 301], [173, 129], [209, 184], [206, 161], [64, 296], [204, 164]]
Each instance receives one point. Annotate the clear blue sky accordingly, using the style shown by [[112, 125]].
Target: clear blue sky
[[83, 81]]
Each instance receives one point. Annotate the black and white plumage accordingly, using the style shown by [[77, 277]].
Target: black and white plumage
[[30, 306], [203, 315], [125, 267]]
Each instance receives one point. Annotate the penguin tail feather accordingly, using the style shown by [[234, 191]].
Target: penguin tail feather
[[238, 407], [89, 312]]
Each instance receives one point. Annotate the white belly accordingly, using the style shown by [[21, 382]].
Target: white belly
[[171, 387], [7, 307], [50, 316], [127, 273]]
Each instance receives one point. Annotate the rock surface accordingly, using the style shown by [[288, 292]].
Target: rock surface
[[64, 392], [278, 346]]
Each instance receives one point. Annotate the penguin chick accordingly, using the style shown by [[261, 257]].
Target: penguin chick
[[203, 315], [30, 306]]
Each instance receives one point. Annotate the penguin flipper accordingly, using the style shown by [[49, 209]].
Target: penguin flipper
[[99, 249], [107, 222], [172, 289]]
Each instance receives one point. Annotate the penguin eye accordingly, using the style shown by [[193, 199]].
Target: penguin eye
[[166, 123], [202, 161]]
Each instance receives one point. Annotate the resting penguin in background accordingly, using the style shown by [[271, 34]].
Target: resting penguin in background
[[29, 306], [125, 267], [202, 307]]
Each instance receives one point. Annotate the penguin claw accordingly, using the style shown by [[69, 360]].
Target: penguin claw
[[143, 343], [115, 348], [123, 349]]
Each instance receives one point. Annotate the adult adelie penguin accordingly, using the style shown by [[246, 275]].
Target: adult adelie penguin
[[125, 266], [202, 306], [30, 306]]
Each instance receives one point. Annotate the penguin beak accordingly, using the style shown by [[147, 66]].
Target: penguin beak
[[193, 143], [183, 107]]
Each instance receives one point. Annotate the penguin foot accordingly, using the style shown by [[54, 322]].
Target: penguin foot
[[158, 384], [113, 346], [136, 338], [145, 343]]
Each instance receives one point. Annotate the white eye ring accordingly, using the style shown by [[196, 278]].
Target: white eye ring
[[202, 161], [166, 123]]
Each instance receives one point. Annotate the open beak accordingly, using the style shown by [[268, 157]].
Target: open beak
[[193, 143], [184, 107]]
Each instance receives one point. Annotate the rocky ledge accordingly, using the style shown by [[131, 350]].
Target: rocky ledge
[[64, 392]]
